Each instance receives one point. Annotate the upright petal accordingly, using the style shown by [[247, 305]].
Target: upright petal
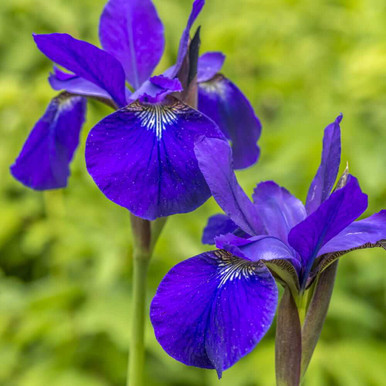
[[209, 64], [87, 61], [325, 177], [212, 309], [142, 158], [133, 33], [278, 209], [219, 224], [44, 160], [333, 216], [223, 102], [215, 160]]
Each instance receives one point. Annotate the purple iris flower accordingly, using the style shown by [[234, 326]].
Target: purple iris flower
[[142, 156], [212, 309]]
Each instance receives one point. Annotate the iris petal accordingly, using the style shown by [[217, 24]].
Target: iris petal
[[212, 309], [209, 64], [217, 225], [142, 158], [44, 160], [223, 102], [133, 33]]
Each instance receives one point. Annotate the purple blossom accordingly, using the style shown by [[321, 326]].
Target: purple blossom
[[212, 309], [142, 156]]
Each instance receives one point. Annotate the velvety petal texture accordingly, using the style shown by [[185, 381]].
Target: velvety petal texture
[[212, 309], [278, 209], [325, 177], [215, 160], [86, 61], [223, 102], [142, 158], [133, 33], [209, 64], [219, 224], [44, 160]]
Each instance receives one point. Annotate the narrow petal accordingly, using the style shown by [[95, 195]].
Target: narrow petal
[[87, 61], [325, 177], [212, 309], [223, 102], [142, 158], [44, 160], [133, 33], [278, 208], [219, 224], [209, 64], [359, 234], [333, 216], [215, 161]]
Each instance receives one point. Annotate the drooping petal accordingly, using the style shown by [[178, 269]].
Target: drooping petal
[[333, 216], [142, 158], [87, 61], [359, 234], [325, 177], [223, 102], [212, 309], [278, 208], [219, 224], [43, 163], [215, 160], [209, 64], [133, 33]]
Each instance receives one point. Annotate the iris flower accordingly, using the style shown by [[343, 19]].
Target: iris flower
[[142, 156], [212, 309]]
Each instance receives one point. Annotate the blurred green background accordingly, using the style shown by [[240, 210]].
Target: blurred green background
[[65, 255]]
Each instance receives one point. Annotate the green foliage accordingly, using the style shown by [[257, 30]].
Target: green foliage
[[65, 255]]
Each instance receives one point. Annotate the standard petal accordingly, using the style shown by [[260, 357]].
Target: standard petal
[[142, 158], [223, 102], [212, 309], [43, 163], [87, 61], [215, 160], [278, 208], [209, 64], [325, 177], [133, 33], [333, 216], [217, 225]]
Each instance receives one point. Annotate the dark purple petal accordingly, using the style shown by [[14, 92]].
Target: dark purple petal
[[223, 102], [219, 224], [278, 209], [333, 216], [74, 84], [367, 231], [142, 158], [325, 177], [215, 160], [212, 309], [173, 85], [133, 33], [44, 160], [87, 61], [209, 65]]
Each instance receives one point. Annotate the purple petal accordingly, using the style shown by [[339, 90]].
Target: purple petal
[[87, 61], [219, 224], [332, 217], [133, 33], [209, 65], [278, 208], [367, 231], [142, 158], [223, 102], [44, 160], [74, 84], [325, 177], [215, 160], [212, 309]]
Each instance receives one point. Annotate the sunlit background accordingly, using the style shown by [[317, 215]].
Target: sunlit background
[[65, 255]]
